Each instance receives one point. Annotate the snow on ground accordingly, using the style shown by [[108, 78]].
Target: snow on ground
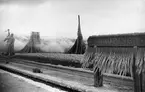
[[37, 84]]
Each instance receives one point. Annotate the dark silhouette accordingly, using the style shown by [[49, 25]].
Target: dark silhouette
[[79, 45], [33, 45], [10, 43]]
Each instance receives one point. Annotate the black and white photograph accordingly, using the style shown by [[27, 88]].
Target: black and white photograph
[[72, 45]]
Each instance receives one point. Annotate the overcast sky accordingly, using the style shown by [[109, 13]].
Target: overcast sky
[[58, 18]]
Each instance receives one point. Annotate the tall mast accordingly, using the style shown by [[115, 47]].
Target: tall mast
[[79, 27], [79, 45]]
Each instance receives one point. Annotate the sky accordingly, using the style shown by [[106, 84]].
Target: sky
[[58, 18]]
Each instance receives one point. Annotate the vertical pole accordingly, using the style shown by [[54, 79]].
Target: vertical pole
[[138, 78], [79, 27], [98, 78], [143, 81], [78, 20], [79, 47], [134, 68]]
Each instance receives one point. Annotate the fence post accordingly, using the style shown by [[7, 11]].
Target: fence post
[[134, 68], [138, 78], [98, 78], [143, 81]]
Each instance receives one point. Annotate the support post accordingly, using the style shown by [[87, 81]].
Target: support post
[[98, 78], [143, 81], [138, 78], [134, 68]]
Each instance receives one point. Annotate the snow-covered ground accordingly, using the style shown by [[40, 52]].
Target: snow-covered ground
[[23, 84]]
